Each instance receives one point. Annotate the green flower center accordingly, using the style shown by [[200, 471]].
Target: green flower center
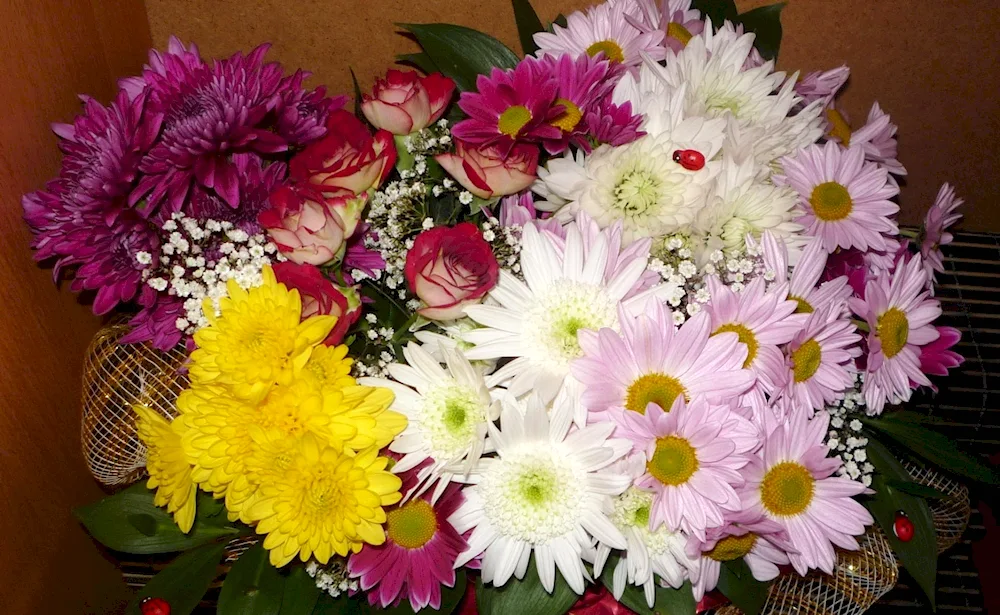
[[831, 202], [637, 191], [569, 118], [513, 120], [612, 51], [656, 388], [732, 547], [746, 337], [806, 359], [674, 461], [450, 415], [893, 331], [787, 489], [413, 525], [536, 486]]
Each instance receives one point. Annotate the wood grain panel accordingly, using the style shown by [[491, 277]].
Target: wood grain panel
[[934, 66], [50, 50]]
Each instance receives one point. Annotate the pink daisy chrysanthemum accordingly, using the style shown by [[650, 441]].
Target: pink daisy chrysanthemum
[[937, 357], [747, 535], [675, 18], [583, 83], [845, 200], [603, 29], [763, 319], [804, 285], [877, 138], [652, 361], [511, 106], [694, 453], [820, 363], [940, 217], [900, 313], [417, 557], [821, 85], [614, 124], [792, 482]]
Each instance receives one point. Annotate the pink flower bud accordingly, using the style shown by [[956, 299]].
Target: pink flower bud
[[304, 226], [486, 172], [404, 102]]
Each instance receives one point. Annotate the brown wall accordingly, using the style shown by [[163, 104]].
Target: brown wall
[[934, 66], [49, 51]]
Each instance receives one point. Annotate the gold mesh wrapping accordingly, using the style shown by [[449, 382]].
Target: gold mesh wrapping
[[115, 376], [951, 514], [859, 579]]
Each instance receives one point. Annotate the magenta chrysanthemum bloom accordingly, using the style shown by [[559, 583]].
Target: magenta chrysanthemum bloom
[[209, 113], [693, 455], [821, 85], [900, 313], [937, 357], [820, 361], [792, 481], [583, 83], [845, 200], [675, 18], [417, 557], [612, 124], [877, 138], [256, 183], [510, 106], [940, 217], [804, 285], [747, 535], [652, 361], [302, 113], [157, 324]]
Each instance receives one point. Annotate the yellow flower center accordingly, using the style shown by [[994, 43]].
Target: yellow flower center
[[732, 547], [893, 330], [839, 127], [513, 120], [831, 202], [674, 461], [803, 307], [659, 389], [569, 118], [413, 525], [326, 493], [679, 32], [612, 51], [746, 336], [787, 489], [806, 359]]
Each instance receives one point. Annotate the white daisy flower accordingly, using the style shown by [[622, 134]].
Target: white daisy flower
[[547, 492], [447, 410]]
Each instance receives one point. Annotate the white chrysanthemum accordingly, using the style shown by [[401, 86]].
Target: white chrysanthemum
[[639, 185], [547, 492], [447, 410], [568, 286], [650, 552]]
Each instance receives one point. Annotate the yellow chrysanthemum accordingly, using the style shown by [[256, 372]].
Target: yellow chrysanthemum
[[330, 367], [324, 503], [257, 339], [168, 467], [273, 453], [366, 409]]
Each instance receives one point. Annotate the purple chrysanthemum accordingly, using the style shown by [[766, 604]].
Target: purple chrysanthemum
[[157, 324], [256, 182], [583, 83], [614, 124], [302, 113]]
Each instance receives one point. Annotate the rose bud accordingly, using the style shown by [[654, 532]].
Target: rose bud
[[348, 160], [486, 172], [404, 102], [450, 268], [320, 297], [304, 227]]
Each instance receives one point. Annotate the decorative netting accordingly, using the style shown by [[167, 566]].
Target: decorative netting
[[116, 376], [951, 513]]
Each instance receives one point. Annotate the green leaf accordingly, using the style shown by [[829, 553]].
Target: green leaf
[[560, 21], [461, 53], [525, 596], [419, 60], [300, 594], [918, 490], [737, 583], [765, 22], [528, 24], [907, 429], [666, 600], [919, 555], [183, 583], [358, 97], [341, 605], [253, 586], [129, 521], [717, 10]]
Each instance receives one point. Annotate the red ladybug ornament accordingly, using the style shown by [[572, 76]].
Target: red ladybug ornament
[[155, 606], [903, 528], [690, 159]]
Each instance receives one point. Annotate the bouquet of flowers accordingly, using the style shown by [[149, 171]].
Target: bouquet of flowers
[[630, 311]]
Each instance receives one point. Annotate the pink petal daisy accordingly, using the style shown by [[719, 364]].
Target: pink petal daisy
[[937, 357], [845, 200], [675, 18], [604, 28], [747, 535], [762, 320], [511, 106], [819, 363], [877, 138], [804, 285], [822, 85], [418, 555], [652, 361], [584, 82], [693, 454], [614, 124], [940, 217], [899, 312], [792, 482]]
